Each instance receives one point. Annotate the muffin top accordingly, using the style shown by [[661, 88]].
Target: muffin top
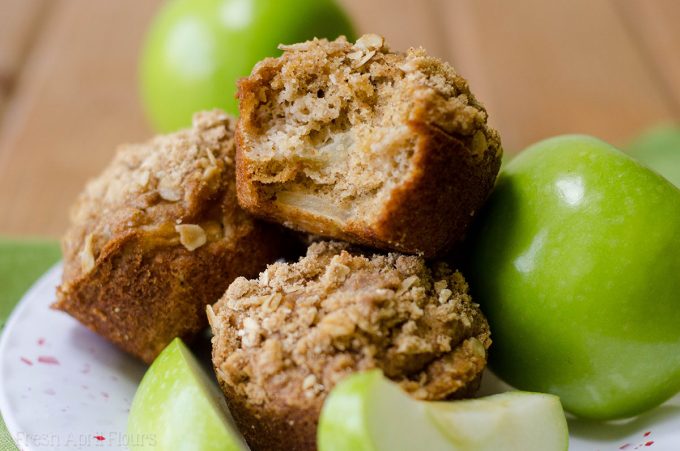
[[369, 84], [174, 188], [288, 337]]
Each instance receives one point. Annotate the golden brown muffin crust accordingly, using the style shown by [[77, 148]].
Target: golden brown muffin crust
[[284, 340], [167, 181], [354, 141], [158, 235]]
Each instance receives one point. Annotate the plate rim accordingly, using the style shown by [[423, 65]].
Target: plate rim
[[40, 284]]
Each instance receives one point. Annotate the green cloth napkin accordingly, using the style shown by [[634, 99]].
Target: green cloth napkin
[[22, 261]]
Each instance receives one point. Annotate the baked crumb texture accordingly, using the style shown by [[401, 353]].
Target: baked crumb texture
[[282, 341], [158, 235], [356, 142]]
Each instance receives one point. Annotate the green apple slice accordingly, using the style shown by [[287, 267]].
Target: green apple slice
[[368, 412], [508, 421], [177, 407]]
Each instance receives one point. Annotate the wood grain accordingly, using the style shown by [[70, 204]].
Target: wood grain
[[403, 23], [76, 101], [69, 87], [656, 27], [547, 68], [18, 26]]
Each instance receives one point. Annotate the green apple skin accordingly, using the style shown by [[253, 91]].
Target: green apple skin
[[368, 412], [196, 50], [177, 407], [576, 263], [659, 149]]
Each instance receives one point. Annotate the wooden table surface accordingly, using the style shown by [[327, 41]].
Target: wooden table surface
[[68, 88]]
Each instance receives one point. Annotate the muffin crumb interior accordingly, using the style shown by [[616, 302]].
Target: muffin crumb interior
[[331, 131]]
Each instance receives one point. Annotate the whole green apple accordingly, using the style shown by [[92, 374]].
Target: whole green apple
[[576, 263], [176, 407], [368, 412], [659, 148], [196, 49]]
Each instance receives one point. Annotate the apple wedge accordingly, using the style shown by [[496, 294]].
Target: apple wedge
[[508, 421], [368, 412], [177, 407]]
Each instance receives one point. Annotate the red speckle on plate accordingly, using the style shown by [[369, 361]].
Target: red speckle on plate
[[41, 341], [649, 443], [50, 391], [26, 361], [48, 360], [101, 438], [646, 434]]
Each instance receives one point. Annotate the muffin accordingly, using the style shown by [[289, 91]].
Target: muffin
[[158, 236], [355, 142], [282, 341]]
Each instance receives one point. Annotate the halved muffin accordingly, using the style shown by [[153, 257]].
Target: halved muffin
[[158, 235], [282, 341], [356, 142]]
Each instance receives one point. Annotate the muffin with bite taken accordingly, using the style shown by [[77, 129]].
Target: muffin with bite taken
[[360, 143]]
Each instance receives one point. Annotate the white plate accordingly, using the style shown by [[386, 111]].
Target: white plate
[[63, 387]]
